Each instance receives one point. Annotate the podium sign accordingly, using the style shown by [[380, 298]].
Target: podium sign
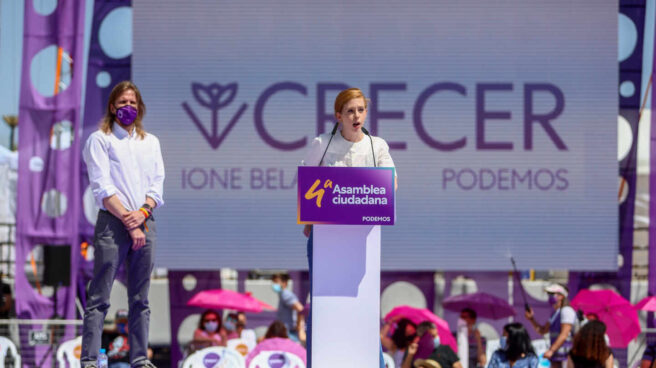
[[346, 195]]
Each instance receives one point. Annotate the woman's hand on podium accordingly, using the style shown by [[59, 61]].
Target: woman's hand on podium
[[307, 229]]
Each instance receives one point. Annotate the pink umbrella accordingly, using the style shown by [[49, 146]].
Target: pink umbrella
[[228, 299], [647, 304], [485, 305], [620, 317], [418, 315], [278, 344]]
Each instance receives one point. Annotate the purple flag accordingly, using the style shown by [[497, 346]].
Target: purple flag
[[49, 155], [103, 72]]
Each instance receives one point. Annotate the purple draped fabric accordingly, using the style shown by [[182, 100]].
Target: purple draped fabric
[[630, 70], [652, 190], [48, 178], [95, 100], [96, 95]]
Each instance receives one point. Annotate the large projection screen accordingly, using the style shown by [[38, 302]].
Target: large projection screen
[[501, 117]]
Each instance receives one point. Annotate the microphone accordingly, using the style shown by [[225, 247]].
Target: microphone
[[373, 155], [332, 134]]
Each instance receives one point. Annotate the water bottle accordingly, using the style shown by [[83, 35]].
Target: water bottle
[[102, 359]]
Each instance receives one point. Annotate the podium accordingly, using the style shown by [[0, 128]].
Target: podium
[[347, 205]]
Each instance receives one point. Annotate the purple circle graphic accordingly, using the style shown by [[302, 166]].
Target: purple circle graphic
[[277, 360], [211, 359]]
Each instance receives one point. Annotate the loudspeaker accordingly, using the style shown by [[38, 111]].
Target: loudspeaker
[[57, 265]]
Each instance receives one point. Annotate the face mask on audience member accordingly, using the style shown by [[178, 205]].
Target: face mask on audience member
[[552, 299], [211, 326], [229, 325], [276, 287], [121, 328], [502, 342], [436, 341]]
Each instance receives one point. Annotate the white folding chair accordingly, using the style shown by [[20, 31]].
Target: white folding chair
[[7, 345], [281, 359], [240, 345], [250, 337], [68, 353], [215, 357], [389, 361]]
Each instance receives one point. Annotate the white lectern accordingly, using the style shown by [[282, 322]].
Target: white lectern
[[347, 205]]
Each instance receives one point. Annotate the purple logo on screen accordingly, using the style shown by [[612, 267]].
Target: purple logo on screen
[[277, 360], [214, 97], [211, 359], [346, 195]]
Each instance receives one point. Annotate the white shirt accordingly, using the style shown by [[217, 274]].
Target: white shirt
[[567, 315], [125, 165], [350, 154]]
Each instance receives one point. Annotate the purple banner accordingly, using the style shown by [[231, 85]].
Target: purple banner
[[346, 195], [651, 283], [49, 154], [47, 206], [103, 72], [630, 70]]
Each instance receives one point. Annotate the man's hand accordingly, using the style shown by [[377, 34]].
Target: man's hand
[[138, 238], [548, 354], [133, 219], [306, 230]]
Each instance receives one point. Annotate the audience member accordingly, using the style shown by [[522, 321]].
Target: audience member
[[209, 331], [276, 329], [560, 326], [590, 349], [288, 306], [116, 342], [649, 357], [476, 341], [404, 333], [426, 350], [232, 326], [516, 350]]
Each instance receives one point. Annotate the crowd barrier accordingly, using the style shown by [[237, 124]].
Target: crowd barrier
[[40, 343]]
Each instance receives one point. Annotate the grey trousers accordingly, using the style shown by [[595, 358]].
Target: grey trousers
[[113, 246]]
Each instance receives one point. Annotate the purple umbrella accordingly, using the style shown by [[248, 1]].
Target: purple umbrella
[[485, 305]]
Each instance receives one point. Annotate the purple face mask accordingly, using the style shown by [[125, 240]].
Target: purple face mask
[[126, 114], [552, 299]]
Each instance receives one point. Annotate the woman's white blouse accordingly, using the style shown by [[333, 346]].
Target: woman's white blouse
[[350, 154]]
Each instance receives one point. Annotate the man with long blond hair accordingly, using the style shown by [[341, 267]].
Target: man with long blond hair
[[126, 175]]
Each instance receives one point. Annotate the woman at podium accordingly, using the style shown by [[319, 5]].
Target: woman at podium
[[349, 144]]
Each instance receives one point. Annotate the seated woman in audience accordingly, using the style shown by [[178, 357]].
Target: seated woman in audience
[[276, 329], [590, 349], [209, 332], [232, 326], [516, 350], [404, 334]]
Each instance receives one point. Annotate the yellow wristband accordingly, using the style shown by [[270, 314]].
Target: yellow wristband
[[144, 212]]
